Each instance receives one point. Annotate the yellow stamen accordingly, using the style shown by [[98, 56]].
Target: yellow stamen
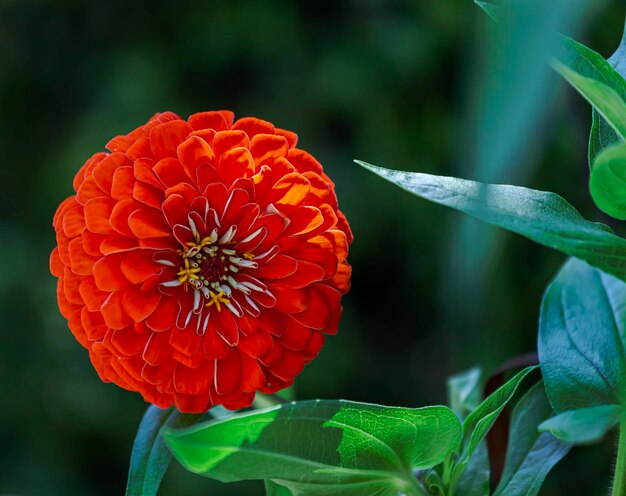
[[188, 272], [217, 299], [248, 256]]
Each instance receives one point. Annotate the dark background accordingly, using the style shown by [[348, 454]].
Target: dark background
[[394, 83]]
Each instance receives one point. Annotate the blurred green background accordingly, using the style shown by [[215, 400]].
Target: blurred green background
[[416, 85]]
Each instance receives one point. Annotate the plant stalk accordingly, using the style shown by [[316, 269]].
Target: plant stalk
[[619, 479]]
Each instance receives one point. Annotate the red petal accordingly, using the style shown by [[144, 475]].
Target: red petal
[[73, 219], [138, 265], [97, 213], [175, 209], [139, 149], [228, 373], [307, 274], [139, 305], [290, 365], [81, 262], [91, 243], [157, 349], [266, 146], [164, 316], [314, 346], [226, 326], [289, 300], [213, 345], [185, 340], [118, 244], [56, 265], [108, 274], [120, 214], [92, 296], [123, 182], [208, 120], [194, 381], [113, 312], [129, 343], [252, 376], [148, 223], [257, 345], [192, 153], [71, 287], [304, 161], [171, 172], [165, 138], [94, 324], [144, 172], [279, 267], [88, 191], [226, 140], [103, 172], [295, 336], [292, 138], [217, 194], [291, 189], [325, 259], [235, 163], [303, 220], [252, 126]]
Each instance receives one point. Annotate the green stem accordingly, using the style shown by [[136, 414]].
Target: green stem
[[619, 480]]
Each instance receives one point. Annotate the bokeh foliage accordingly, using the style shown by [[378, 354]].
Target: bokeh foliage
[[391, 82]]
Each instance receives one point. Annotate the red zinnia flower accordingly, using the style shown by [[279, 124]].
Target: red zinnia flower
[[201, 260]]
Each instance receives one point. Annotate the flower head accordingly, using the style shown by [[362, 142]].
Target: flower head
[[201, 260]]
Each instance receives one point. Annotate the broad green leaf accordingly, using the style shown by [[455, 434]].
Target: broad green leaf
[[585, 425], [322, 447], [608, 181], [478, 423], [150, 457], [274, 489], [607, 102], [543, 217], [464, 392], [581, 338], [531, 454], [474, 480]]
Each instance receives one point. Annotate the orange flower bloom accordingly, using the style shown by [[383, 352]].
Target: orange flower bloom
[[202, 260]]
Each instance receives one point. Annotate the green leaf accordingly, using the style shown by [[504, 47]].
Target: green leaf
[[474, 480], [588, 63], [478, 423], [274, 489], [150, 457], [585, 425], [608, 102], [464, 392], [602, 135], [581, 338], [608, 181], [322, 447], [530, 454], [492, 10], [543, 217]]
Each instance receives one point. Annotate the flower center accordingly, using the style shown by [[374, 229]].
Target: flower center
[[211, 268]]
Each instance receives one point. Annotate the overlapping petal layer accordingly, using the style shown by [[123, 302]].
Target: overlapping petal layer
[[201, 261]]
